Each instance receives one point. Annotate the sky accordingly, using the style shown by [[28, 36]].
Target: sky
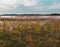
[[29, 6]]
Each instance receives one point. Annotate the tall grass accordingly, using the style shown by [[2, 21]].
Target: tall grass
[[30, 33]]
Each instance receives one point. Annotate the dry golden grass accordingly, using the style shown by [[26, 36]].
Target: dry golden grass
[[30, 33]]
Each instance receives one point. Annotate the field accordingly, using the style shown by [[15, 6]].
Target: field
[[30, 33]]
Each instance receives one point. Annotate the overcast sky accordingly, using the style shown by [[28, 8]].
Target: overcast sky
[[29, 6]]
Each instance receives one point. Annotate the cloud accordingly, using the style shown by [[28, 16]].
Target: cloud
[[11, 4], [29, 6], [55, 6], [7, 4], [47, 6], [29, 2]]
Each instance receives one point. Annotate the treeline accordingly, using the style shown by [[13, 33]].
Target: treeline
[[53, 14]]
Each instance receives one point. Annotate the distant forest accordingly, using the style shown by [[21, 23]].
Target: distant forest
[[55, 14]]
